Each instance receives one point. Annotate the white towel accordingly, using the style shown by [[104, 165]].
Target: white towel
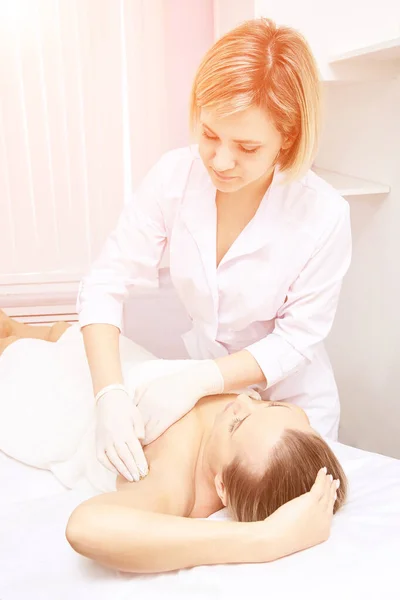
[[47, 416]]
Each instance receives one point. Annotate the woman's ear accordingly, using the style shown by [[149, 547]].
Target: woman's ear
[[287, 142], [220, 487]]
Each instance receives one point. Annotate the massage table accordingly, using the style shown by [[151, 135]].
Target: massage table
[[361, 559]]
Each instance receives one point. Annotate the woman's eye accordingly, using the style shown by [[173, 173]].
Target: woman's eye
[[242, 148], [208, 137], [233, 423], [252, 151]]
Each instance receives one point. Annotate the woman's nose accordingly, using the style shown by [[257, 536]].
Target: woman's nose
[[243, 402], [223, 160]]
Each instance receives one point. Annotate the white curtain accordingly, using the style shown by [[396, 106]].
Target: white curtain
[[81, 118]]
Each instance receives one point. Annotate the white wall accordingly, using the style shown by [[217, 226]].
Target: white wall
[[362, 137], [334, 27]]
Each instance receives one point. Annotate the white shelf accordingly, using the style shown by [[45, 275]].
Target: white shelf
[[351, 186], [386, 50]]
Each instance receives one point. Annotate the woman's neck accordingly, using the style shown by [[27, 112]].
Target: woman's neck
[[206, 499]]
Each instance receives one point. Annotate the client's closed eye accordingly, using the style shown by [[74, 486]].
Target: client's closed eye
[[276, 405], [236, 423], [233, 423]]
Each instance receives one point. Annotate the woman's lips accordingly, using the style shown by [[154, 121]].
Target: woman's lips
[[222, 177]]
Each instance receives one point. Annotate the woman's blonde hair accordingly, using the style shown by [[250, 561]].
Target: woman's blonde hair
[[260, 64], [291, 470]]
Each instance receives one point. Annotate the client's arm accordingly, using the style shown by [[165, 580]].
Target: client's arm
[[142, 530]]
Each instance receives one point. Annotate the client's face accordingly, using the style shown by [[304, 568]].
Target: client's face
[[250, 428]]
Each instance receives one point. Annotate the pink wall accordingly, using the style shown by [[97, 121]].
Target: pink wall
[[189, 33]]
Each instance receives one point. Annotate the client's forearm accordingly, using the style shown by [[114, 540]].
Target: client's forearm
[[136, 541]]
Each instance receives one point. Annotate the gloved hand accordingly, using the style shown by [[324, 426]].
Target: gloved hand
[[165, 400], [119, 427], [253, 394]]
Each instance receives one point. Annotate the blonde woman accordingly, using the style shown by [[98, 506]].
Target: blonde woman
[[260, 459], [259, 245]]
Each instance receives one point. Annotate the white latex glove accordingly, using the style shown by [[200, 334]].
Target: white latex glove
[[119, 427], [165, 400], [248, 392]]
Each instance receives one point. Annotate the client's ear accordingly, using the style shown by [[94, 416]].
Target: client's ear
[[220, 487]]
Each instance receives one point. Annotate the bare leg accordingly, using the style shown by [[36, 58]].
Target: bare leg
[[5, 325], [12, 328], [6, 341], [57, 330]]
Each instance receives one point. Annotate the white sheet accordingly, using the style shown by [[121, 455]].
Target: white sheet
[[48, 409], [361, 559]]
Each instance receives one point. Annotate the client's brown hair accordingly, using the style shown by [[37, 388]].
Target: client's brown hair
[[291, 469]]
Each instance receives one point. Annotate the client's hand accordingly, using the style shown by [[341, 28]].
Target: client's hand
[[165, 400], [306, 520], [119, 426]]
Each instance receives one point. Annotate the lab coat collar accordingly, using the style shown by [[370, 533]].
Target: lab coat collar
[[200, 217], [262, 227]]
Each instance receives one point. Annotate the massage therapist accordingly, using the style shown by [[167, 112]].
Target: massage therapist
[[259, 245]]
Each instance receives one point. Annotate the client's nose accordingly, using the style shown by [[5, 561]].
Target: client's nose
[[243, 401]]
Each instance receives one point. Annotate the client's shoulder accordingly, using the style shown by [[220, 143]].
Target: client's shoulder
[[182, 435], [172, 459]]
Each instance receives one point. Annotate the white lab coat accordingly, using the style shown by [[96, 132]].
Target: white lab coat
[[274, 293]]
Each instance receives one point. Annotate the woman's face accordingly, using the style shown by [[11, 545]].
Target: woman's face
[[249, 429], [239, 149]]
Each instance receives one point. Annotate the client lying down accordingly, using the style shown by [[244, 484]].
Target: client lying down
[[262, 460]]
